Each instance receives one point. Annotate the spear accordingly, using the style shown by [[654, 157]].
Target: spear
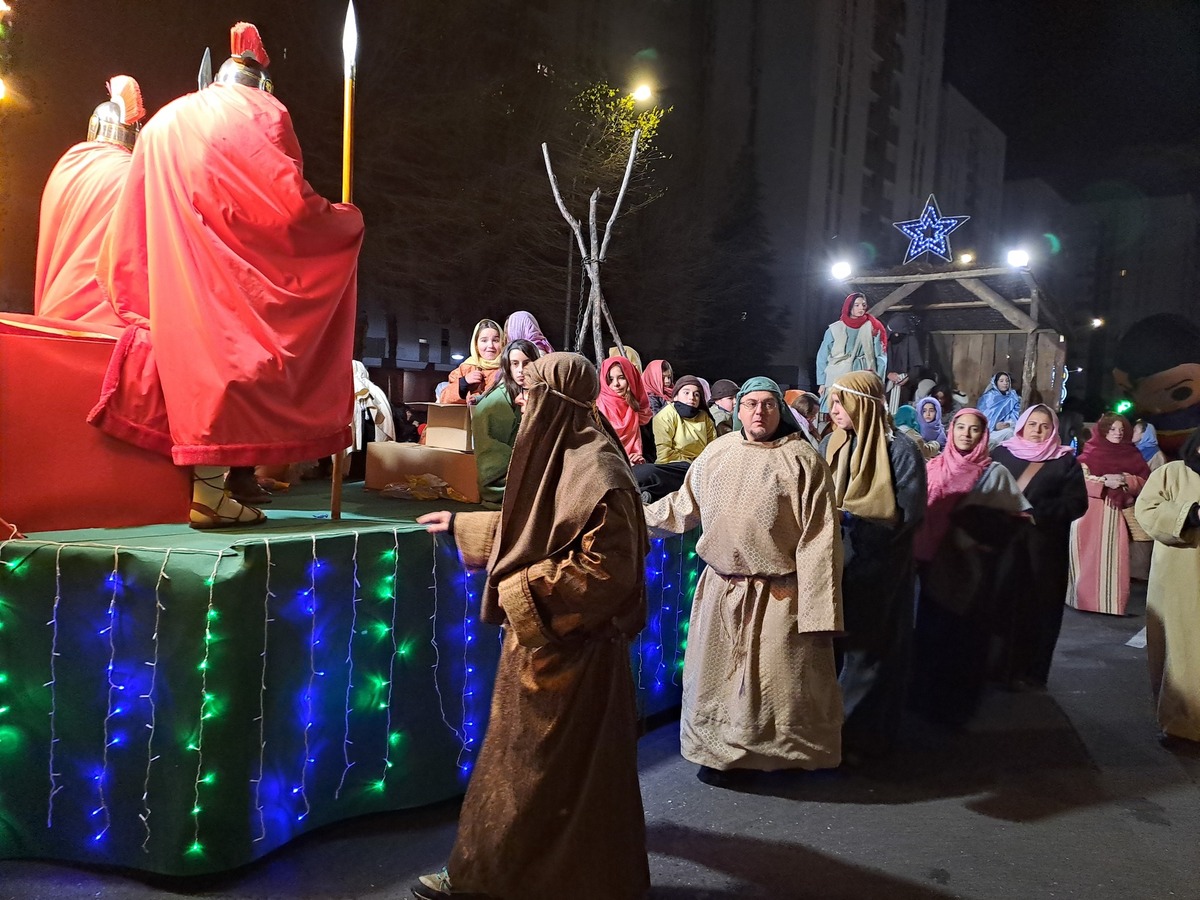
[[349, 58], [205, 76], [349, 55]]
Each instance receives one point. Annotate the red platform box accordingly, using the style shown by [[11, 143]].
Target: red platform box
[[57, 472], [388, 461]]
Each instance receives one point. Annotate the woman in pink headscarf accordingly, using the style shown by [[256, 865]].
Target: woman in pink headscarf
[[1033, 571], [522, 326], [972, 505], [624, 403]]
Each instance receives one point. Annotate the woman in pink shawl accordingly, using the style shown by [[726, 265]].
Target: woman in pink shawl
[[524, 327], [624, 403], [1033, 571], [1114, 471], [971, 515]]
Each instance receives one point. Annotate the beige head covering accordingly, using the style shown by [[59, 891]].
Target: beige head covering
[[862, 476], [565, 459]]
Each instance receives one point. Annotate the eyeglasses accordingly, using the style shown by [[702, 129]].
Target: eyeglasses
[[767, 405]]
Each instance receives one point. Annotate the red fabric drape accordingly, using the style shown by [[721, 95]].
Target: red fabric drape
[[245, 279], [77, 203]]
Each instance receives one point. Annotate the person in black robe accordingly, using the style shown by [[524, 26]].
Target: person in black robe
[[1033, 573]]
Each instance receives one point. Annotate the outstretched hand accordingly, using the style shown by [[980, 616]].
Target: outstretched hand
[[436, 522]]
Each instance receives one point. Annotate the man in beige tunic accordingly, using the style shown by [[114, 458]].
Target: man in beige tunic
[[759, 684], [1168, 508]]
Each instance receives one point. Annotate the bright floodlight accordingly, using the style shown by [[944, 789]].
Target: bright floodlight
[[966, 258], [642, 93], [841, 270], [3, 89], [457, 357], [1018, 259], [1097, 322]]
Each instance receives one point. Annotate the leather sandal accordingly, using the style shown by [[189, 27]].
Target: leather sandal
[[214, 518]]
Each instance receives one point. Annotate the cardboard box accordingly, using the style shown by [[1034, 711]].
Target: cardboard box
[[387, 461], [448, 426]]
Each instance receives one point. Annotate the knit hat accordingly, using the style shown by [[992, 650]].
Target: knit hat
[[692, 380], [724, 388]]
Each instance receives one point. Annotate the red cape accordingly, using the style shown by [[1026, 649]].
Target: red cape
[[239, 282], [76, 206]]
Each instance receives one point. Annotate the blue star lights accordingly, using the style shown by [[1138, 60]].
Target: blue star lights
[[930, 233]]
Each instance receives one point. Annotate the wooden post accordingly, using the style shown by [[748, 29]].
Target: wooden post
[[597, 312]]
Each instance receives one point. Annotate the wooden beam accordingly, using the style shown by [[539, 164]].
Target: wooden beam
[[1029, 370], [951, 304], [933, 276], [893, 298], [1009, 310]]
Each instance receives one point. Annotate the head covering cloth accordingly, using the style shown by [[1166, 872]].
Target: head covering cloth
[[652, 378], [723, 388], [522, 326], [857, 322], [906, 417], [997, 405], [1022, 448], [565, 459], [1103, 457], [862, 472], [951, 475], [686, 380], [630, 354], [935, 430], [1147, 444], [616, 409], [787, 424], [475, 359]]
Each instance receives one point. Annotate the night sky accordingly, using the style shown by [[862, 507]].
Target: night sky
[[1073, 83]]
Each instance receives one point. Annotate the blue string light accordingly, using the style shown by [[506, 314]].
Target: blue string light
[[929, 233]]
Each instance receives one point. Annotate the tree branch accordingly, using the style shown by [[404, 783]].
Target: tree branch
[[621, 194]]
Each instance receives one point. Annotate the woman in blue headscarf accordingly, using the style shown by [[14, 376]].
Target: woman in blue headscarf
[[1145, 438], [1000, 403], [929, 417]]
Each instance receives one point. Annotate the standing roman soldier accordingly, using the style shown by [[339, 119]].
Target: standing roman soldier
[[76, 205], [238, 284]]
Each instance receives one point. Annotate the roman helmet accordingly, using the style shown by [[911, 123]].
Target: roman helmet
[[119, 119], [248, 60]]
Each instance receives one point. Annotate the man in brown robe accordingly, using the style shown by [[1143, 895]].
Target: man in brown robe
[[554, 809], [759, 685]]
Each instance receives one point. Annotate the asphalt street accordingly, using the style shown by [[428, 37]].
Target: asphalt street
[[1056, 795]]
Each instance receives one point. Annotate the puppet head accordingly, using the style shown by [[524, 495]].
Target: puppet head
[[1158, 368]]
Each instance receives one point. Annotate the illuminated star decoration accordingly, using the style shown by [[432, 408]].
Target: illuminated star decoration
[[930, 233]]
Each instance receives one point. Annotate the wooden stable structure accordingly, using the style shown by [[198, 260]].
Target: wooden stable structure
[[976, 322]]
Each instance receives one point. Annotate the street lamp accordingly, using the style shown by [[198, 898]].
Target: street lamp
[[966, 258], [840, 270], [641, 93], [1018, 259]]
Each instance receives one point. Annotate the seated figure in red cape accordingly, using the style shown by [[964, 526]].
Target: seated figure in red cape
[[237, 282], [77, 203]]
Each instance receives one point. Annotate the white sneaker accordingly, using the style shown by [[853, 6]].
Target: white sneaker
[[433, 887]]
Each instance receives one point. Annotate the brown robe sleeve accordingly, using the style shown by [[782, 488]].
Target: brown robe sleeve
[[585, 589], [474, 533]]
